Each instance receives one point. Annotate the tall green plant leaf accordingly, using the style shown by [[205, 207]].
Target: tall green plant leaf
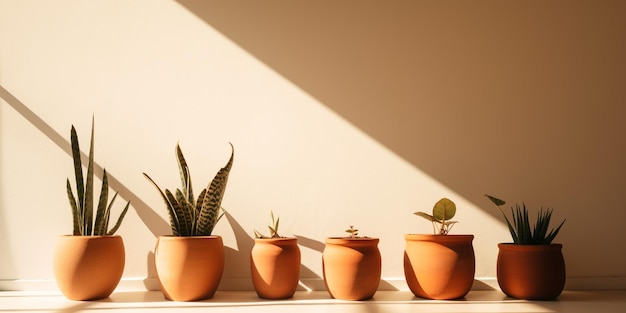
[[119, 220], [174, 222], [88, 205], [212, 202], [187, 210], [77, 231], [100, 223], [78, 170], [185, 176], [184, 224]]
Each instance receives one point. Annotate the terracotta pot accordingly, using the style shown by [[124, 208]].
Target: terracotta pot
[[439, 266], [189, 268], [531, 272], [275, 267], [351, 267], [88, 267]]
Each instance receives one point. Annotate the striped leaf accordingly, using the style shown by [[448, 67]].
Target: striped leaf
[[185, 176], [212, 201], [180, 214], [174, 223], [188, 210]]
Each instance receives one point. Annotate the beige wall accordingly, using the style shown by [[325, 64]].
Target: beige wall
[[357, 112]]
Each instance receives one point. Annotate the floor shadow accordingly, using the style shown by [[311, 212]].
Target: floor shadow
[[151, 219]]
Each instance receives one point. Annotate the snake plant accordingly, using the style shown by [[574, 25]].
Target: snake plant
[[443, 211], [520, 227], [82, 208], [190, 216]]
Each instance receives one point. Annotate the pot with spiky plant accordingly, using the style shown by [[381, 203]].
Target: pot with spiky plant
[[275, 263], [351, 266], [89, 264], [532, 267], [439, 266], [190, 262]]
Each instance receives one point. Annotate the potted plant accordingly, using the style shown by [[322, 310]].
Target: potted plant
[[88, 264], [190, 262], [275, 263], [532, 267], [351, 266], [439, 266]]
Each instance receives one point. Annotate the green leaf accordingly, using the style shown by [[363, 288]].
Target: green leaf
[[78, 170], [495, 200], [75, 212], [185, 175], [188, 211], [88, 208], [175, 225], [180, 214], [212, 202], [444, 209], [119, 219], [100, 224], [426, 216]]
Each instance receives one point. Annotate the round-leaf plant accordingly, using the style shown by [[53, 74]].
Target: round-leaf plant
[[443, 211]]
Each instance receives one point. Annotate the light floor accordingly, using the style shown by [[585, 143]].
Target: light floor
[[608, 301]]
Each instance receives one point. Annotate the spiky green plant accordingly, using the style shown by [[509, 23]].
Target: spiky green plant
[[520, 226], [443, 211], [82, 209], [190, 216], [273, 228]]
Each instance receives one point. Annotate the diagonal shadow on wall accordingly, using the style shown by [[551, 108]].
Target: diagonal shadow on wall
[[481, 98], [151, 219]]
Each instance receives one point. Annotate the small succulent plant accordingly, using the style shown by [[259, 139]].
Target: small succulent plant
[[354, 233], [190, 216], [443, 211], [273, 228], [82, 208], [520, 227]]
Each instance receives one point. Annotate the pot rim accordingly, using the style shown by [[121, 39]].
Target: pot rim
[[518, 247], [81, 237], [182, 238], [276, 239], [434, 237], [349, 240]]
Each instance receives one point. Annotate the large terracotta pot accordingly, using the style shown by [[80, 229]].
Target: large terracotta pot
[[88, 267], [275, 267], [189, 268], [439, 266], [351, 267], [531, 272]]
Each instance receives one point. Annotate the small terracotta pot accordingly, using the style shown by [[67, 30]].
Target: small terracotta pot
[[439, 266], [531, 272], [351, 267], [189, 268], [275, 267], [88, 267]]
